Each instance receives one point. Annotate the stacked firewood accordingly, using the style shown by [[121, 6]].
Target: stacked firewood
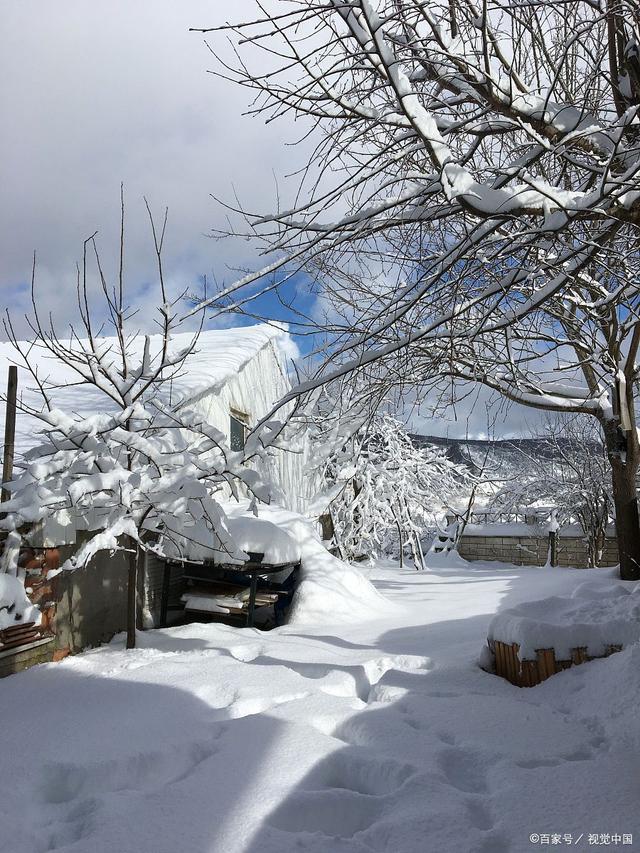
[[19, 635]]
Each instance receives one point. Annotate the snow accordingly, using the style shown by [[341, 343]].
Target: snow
[[220, 355], [598, 614], [15, 607], [220, 604], [262, 535], [327, 585], [506, 528], [370, 735]]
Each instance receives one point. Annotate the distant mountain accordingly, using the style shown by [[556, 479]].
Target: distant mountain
[[502, 453]]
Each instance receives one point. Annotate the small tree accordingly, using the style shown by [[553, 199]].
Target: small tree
[[142, 474]]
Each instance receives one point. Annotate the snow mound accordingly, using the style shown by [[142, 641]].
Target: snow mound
[[446, 560], [259, 535], [329, 589], [598, 614], [15, 607]]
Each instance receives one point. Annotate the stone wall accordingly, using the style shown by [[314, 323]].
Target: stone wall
[[80, 609], [523, 550]]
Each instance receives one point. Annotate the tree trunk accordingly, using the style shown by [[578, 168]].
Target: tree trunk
[[326, 523], [627, 523], [132, 593]]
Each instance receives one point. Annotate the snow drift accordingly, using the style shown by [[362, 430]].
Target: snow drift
[[15, 607], [598, 614]]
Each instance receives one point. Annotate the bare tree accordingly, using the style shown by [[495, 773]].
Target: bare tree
[[473, 203], [143, 473], [566, 468]]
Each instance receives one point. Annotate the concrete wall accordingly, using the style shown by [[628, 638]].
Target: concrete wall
[[90, 604], [533, 550]]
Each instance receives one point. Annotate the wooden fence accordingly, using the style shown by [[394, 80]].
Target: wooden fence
[[528, 673]]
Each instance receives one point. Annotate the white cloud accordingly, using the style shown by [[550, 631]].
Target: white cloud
[[113, 91]]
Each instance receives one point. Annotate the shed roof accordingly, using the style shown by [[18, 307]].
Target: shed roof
[[220, 354]]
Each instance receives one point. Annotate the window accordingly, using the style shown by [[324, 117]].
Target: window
[[237, 430]]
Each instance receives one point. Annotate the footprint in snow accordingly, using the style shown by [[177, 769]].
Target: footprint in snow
[[344, 795], [464, 770], [479, 815]]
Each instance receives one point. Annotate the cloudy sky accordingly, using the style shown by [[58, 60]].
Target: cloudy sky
[[109, 91]]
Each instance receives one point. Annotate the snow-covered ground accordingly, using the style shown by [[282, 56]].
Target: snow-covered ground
[[379, 735]]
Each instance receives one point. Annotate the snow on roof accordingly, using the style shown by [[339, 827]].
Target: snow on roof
[[220, 354]]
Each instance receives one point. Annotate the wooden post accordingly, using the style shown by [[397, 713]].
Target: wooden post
[[132, 592], [553, 547], [9, 430], [252, 599], [164, 601], [326, 522]]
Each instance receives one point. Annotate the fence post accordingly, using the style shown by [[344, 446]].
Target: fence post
[[9, 431], [553, 547]]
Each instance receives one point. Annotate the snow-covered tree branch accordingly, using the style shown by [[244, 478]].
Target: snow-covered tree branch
[[568, 470], [383, 493], [472, 206], [145, 472]]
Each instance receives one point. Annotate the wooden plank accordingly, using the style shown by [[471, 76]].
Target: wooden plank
[[164, 595], [511, 664], [19, 632], [21, 641], [515, 649], [506, 662], [23, 633], [252, 601], [499, 660], [19, 626], [578, 655], [546, 663], [527, 680]]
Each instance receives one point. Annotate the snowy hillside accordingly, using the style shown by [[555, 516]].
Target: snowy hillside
[[504, 455]]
